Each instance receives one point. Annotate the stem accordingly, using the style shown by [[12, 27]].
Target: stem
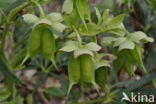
[[15, 11], [42, 15], [3, 37], [10, 17], [78, 36]]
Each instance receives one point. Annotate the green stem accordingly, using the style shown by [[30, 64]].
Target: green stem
[[11, 17], [14, 12], [78, 36], [2, 45], [42, 15]]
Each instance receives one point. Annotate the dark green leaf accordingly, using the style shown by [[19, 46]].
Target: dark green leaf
[[6, 71], [57, 92]]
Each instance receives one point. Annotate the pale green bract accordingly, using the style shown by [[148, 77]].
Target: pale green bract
[[30, 18], [80, 51], [138, 36], [69, 46], [43, 21], [55, 17], [58, 26], [119, 41], [67, 6], [127, 44], [92, 46]]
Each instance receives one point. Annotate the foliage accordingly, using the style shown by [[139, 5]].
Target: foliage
[[94, 44]]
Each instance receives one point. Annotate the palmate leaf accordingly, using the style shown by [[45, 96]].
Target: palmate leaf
[[4, 69]]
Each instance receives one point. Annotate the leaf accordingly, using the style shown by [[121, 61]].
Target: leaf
[[146, 91], [69, 46], [134, 85], [13, 5], [58, 27], [99, 17], [137, 36], [93, 29], [118, 64], [117, 20], [82, 7], [119, 41], [101, 63], [129, 68], [16, 100], [72, 18], [146, 79], [55, 17], [107, 41], [30, 18], [93, 46], [136, 54], [126, 45], [67, 6], [148, 39], [151, 59], [4, 94], [106, 16], [57, 92], [113, 57], [122, 29], [43, 21], [6, 71], [123, 83], [80, 51], [17, 59], [13, 13]]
